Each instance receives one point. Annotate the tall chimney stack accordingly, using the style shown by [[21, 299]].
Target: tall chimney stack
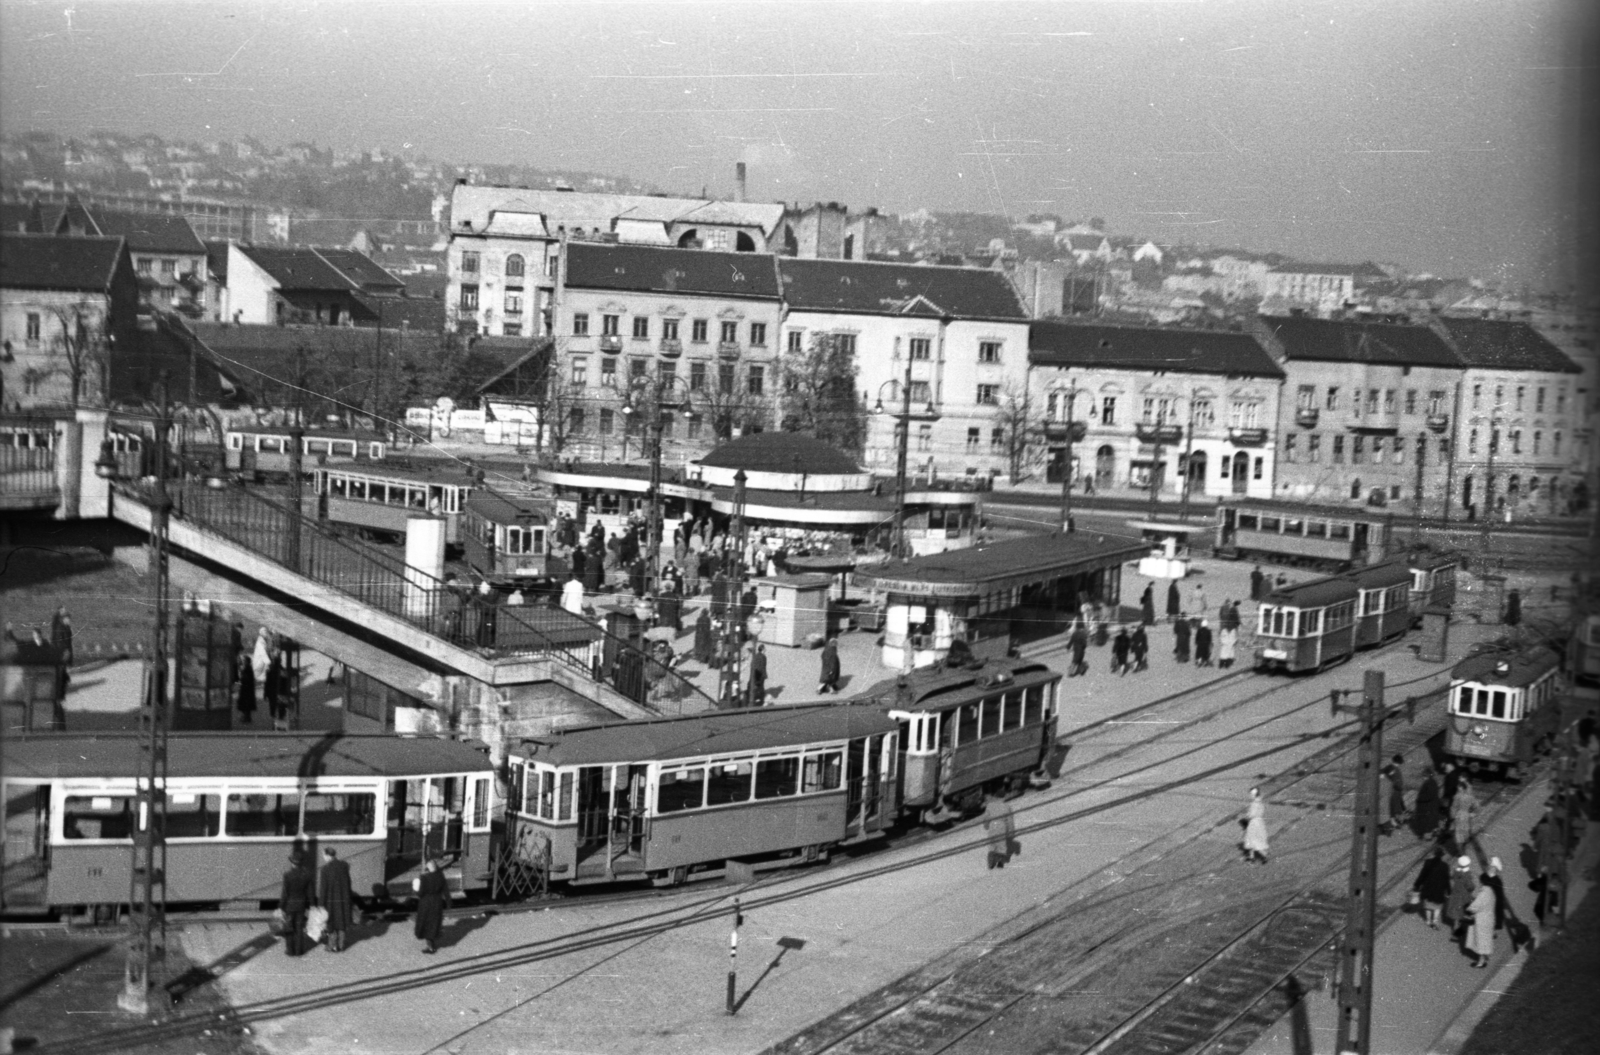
[[738, 175]]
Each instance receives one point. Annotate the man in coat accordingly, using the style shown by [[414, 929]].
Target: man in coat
[[705, 645], [1180, 635], [1147, 605], [61, 633], [1139, 644], [433, 893], [1257, 581], [758, 677], [1079, 643], [1119, 651], [1202, 645], [333, 894], [294, 899], [1174, 604], [830, 667]]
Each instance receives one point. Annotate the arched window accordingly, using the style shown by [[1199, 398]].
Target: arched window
[[1514, 485], [746, 244], [514, 266]]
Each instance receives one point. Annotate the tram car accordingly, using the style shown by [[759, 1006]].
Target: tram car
[[1383, 602], [1299, 535], [379, 498], [680, 798], [237, 806], [264, 453], [1583, 651], [1307, 626], [506, 538], [1504, 710], [1433, 583]]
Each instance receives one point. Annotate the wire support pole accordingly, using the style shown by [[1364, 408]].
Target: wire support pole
[[1357, 942]]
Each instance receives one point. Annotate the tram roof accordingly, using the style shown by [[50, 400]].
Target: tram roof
[[1521, 667], [365, 436], [441, 473], [1002, 565], [1313, 593], [503, 508], [926, 683], [712, 733], [1387, 573], [1294, 509], [52, 756]]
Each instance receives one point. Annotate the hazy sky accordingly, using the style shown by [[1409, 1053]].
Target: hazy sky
[[1433, 133]]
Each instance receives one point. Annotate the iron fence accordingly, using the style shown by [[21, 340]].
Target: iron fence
[[28, 456]]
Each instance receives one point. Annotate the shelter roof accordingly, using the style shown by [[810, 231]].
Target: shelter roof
[[1358, 341], [241, 755], [1142, 348], [873, 288], [1500, 344], [781, 452], [656, 269], [362, 270], [1002, 565], [64, 262]]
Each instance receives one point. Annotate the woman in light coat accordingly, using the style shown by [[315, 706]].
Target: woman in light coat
[[1255, 829], [1480, 933]]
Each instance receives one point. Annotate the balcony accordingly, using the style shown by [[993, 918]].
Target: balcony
[[1162, 434], [1438, 422], [728, 349], [611, 343], [1059, 432], [671, 347], [1307, 417], [1242, 437]]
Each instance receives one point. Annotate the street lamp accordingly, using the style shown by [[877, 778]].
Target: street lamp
[[903, 423], [653, 396], [1067, 433]]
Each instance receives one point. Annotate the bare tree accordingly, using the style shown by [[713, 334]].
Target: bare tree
[[80, 352], [1021, 430], [818, 394]]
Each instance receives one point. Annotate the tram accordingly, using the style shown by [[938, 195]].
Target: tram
[[265, 452], [1383, 602], [1433, 583], [237, 806], [1583, 651], [1292, 533], [506, 538], [1504, 710], [1307, 626], [379, 498]]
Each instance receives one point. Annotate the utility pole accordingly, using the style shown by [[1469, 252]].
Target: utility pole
[[1360, 928], [1188, 464], [147, 877], [898, 546], [1416, 517], [733, 564], [1070, 436], [1488, 488], [652, 531]]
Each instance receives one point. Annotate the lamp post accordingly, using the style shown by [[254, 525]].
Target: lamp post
[[733, 569], [652, 397], [1068, 433], [897, 546]]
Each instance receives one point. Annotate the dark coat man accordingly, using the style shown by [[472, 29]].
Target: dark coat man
[[1079, 643], [247, 688], [830, 667], [295, 898], [1147, 605], [1119, 650], [1174, 603], [1139, 644], [705, 644], [61, 633], [1202, 645], [1257, 582], [758, 677], [433, 893], [1180, 635], [333, 894]]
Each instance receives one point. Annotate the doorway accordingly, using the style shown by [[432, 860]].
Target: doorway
[[1105, 467], [1241, 473]]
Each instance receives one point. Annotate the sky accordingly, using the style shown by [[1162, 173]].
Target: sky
[[1437, 134]]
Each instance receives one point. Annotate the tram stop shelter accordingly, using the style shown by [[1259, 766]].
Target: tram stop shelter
[[991, 598], [1168, 557]]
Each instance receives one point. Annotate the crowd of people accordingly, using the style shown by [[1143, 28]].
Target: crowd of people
[[1193, 640]]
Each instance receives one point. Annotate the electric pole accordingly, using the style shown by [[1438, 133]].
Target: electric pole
[[1360, 927]]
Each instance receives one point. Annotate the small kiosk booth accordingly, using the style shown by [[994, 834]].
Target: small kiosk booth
[[993, 597], [1168, 556]]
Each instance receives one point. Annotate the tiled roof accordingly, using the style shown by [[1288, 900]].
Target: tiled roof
[[149, 232], [361, 269], [1498, 344], [320, 269], [470, 206], [1090, 242], [659, 270], [780, 452], [217, 260], [1149, 348], [1318, 269], [1354, 341], [42, 261], [898, 289]]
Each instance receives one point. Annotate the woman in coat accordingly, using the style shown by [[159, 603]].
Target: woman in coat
[[1180, 633], [1433, 886], [705, 646], [1480, 933], [293, 900], [1428, 810], [830, 667], [1255, 829], [247, 688], [1174, 605], [433, 892], [1227, 646], [333, 895], [1462, 890], [1147, 605], [1397, 793], [1463, 815]]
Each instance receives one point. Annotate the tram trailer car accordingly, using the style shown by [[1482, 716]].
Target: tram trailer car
[[969, 732], [1504, 710], [679, 798], [1307, 626], [1433, 583], [1583, 651], [238, 805], [1298, 535], [263, 453], [506, 538], [1383, 602], [381, 498]]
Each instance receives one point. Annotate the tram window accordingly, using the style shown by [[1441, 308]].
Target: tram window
[[1294, 527], [1276, 627], [263, 816], [98, 817], [776, 777], [191, 816], [339, 813], [1316, 529], [1033, 705], [235, 441], [822, 772], [317, 447], [730, 782], [1339, 532], [1311, 621], [343, 448], [530, 793], [563, 800], [418, 497], [1464, 700], [337, 485], [358, 490], [1013, 710], [681, 789], [374, 450], [270, 444], [1270, 523], [547, 794], [944, 724], [1248, 522], [991, 716], [1499, 708], [967, 724], [514, 798]]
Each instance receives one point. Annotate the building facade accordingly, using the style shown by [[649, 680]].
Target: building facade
[[1192, 412]]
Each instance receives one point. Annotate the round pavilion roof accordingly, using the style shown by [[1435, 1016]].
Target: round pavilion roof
[[781, 452]]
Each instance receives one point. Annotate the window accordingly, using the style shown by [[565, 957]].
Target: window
[[1555, 444], [98, 817], [513, 302], [1411, 401], [263, 816], [725, 379], [755, 379], [1494, 441], [1377, 448], [1338, 450], [1259, 470], [1305, 397], [520, 540], [641, 327], [1561, 400], [580, 324], [1538, 400], [1477, 396], [1313, 448], [776, 777], [1399, 448], [610, 325], [667, 371], [1289, 452], [469, 263], [997, 439], [1033, 706], [608, 421], [1388, 401], [988, 395], [1244, 415], [575, 421], [469, 298], [638, 368], [681, 789], [608, 373], [967, 724], [580, 370], [697, 331], [35, 325], [511, 329], [169, 268], [143, 265], [694, 427], [730, 333], [339, 813], [1436, 401], [921, 348], [1201, 412], [925, 438], [919, 392], [1372, 401], [1332, 402], [1108, 410], [1521, 394], [988, 351], [823, 772], [796, 342], [1357, 449], [758, 334], [729, 782], [669, 329], [1472, 441], [515, 267], [846, 343], [697, 377], [974, 437], [192, 816], [1516, 441]]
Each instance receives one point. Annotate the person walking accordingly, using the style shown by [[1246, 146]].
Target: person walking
[[333, 894], [274, 689], [1397, 794], [433, 892], [758, 677], [1147, 605], [1002, 828], [247, 689], [704, 643], [1202, 645], [61, 634], [1180, 635], [829, 681], [1140, 644], [1452, 781], [1463, 816], [1428, 811], [1199, 599], [1257, 581], [293, 900], [1462, 889], [1433, 886], [1078, 641], [1480, 926], [1119, 651], [1227, 646], [1255, 829], [1174, 603]]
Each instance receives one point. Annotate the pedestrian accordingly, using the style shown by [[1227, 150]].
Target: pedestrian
[[572, 596], [1463, 816], [636, 574], [1147, 605], [1513, 608], [704, 643], [829, 681], [277, 699], [1257, 581], [261, 656], [1255, 829], [1462, 889], [433, 891], [1174, 603], [1119, 651], [758, 677], [1199, 599], [61, 634], [1397, 793], [1002, 828], [1228, 615], [1452, 782], [1281, 581], [1492, 880], [1078, 641], [1202, 645], [1428, 812], [236, 646], [1140, 644], [1480, 926], [293, 901], [333, 894], [1433, 886], [1227, 646], [1180, 635], [247, 689]]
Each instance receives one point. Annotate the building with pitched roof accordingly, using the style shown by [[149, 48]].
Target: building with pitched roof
[[1367, 412], [1191, 411], [962, 332], [1515, 436], [278, 284], [169, 259], [67, 304]]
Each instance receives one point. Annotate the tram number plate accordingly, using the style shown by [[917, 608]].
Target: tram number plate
[[1274, 653], [1472, 747]]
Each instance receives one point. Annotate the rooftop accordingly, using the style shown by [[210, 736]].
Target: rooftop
[[472, 204], [1356, 341], [1521, 667], [149, 232], [662, 270], [1002, 565], [1071, 344], [1496, 344], [872, 288], [44, 261], [781, 452]]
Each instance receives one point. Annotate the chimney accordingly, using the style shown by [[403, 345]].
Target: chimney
[[738, 177]]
